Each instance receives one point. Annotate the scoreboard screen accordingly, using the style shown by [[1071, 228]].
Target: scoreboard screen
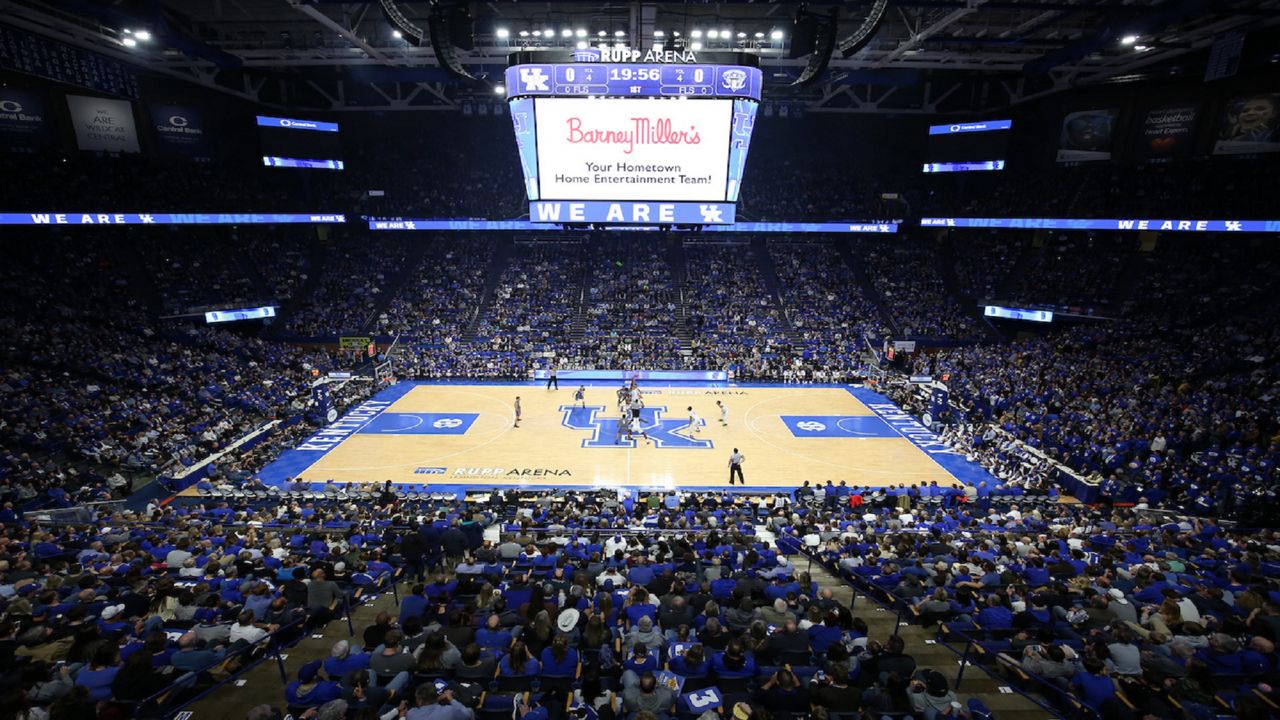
[[622, 149], [702, 81], [967, 147], [657, 137]]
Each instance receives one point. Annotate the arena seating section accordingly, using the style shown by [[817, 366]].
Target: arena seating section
[[1164, 394]]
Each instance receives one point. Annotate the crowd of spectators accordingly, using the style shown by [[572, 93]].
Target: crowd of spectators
[[193, 268], [348, 292], [440, 295], [906, 276], [1072, 271], [825, 302], [632, 317]]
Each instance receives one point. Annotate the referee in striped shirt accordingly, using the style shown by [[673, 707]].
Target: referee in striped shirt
[[735, 466]]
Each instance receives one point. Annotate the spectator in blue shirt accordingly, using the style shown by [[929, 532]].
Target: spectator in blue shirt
[[1092, 684], [519, 662], [308, 690], [493, 635], [341, 661], [101, 672], [558, 659], [414, 604], [995, 616]]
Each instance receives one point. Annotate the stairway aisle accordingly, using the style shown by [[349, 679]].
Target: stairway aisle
[[929, 654]]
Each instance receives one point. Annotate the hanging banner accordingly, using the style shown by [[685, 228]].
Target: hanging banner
[[24, 121], [1250, 124], [180, 131], [1166, 133], [105, 125], [1086, 135]]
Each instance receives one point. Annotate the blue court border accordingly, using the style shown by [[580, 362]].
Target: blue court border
[[293, 462]]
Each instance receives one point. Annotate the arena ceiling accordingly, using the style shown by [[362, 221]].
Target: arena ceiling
[[927, 56]]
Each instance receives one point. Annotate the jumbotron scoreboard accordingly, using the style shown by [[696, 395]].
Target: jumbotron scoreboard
[[612, 136]]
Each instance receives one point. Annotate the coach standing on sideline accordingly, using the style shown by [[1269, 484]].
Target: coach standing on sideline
[[735, 466]]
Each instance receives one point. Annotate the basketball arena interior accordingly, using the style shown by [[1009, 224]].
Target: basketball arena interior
[[861, 360]]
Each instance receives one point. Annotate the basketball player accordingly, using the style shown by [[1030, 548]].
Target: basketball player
[[695, 422], [735, 466], [637, 429], [580, 395], [623, 394], [518, 411], [724, 414], [636, 405]]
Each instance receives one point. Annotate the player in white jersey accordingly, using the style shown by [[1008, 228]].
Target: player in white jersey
[[695, 422], [636, 428], [580, 395], [724, 413]]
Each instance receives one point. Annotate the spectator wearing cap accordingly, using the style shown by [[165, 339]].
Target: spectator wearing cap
[[433, 704], [342, 661], [309, 690]]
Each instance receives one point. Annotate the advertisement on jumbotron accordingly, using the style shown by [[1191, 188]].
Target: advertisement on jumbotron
[[633, 149]]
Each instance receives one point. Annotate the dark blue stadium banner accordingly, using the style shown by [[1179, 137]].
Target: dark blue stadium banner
[[1087, 135], [79, 218], [1249, 124], [1166, 133], [466, 224], [180, 131], [23, 52], [1228, 226], [25, 125]]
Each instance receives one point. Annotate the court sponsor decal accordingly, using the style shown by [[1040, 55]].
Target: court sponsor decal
[[349, 424], [838, 426], [400, 423], [910, 428], [511, 472], [429, 471]]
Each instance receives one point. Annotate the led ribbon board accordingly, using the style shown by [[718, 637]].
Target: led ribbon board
[[1154, 225], [82, 218]]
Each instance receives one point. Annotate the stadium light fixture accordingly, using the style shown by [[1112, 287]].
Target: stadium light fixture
[[499, 89], [580, 32], [397, 34], [675, 33], [129, 42], [619, 46], [537, 33], [741, 35], [775, 35], [658, 47], [726, 34], [713, 34], [759, 36], [549, 33], [502, 33], [695, 34], [601, 34], [696, 46], [1140, 48], [524, 33], [659, 33], [566, 33], [1128, 39], [619, 33], [583, 45], [143, 35]]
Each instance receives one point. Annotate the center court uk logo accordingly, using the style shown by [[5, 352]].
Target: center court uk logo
[[606, 432]]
